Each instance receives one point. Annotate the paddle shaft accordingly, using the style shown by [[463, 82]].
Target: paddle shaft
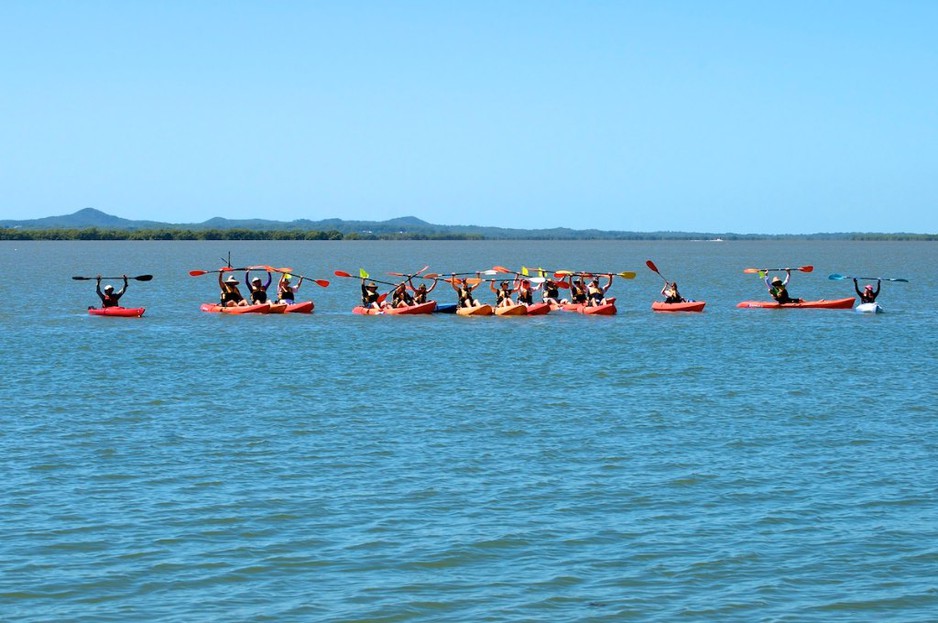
[[137, 278]]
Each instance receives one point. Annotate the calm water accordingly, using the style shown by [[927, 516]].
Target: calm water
[[735, 465]]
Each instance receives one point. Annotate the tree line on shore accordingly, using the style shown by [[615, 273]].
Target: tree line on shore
[[98, 233]]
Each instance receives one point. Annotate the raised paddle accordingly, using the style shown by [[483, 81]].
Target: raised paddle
[[137, 278], [410, 275], [804, 269], [342, 273], [654, 268], [837, 277], [287, 271], [560, 274], [199, 273]]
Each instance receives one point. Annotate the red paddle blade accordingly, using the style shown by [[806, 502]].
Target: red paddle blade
[[652, 266], [806, 269], [342, 273], [197, 273], [501, 269]]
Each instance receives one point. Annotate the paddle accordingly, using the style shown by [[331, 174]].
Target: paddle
[[410, 275], [837, 277], [804, 269], [286, 271], [137, 278], [560, 274], [199, 273], [652, 266], [363, 275]]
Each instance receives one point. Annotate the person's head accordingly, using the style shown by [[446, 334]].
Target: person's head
[[868, 288], [422, 287], [256, 281], [595, 281], [231, 281], [525, 283], [674, 285], [372, 285], [776, 281], [504, 285], [108, 288]]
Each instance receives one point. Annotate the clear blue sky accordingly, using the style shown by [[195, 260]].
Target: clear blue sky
[[747, 117]]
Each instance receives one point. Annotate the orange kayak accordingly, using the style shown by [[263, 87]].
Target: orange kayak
[[846, 303]]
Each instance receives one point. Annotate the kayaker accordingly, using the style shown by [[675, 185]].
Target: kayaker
[[421, 291], [257, 288], [670, 293], [286, 293], [502, 294], [577, 291], [868, 295], [370, 295], [551, 293], [778, 288], [230, 294], [596, 294], [464, 291], [525, 294], [110, 298], [401, 297]]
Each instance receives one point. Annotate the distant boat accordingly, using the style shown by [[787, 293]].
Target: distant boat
[[715, 240]]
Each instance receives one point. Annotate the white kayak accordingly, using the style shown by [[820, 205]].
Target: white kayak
[[869, 308]]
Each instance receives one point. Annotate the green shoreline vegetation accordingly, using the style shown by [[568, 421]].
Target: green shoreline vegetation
[[97, 233]]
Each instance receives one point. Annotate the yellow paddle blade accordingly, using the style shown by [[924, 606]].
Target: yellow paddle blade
[[363, 274], [524, 271]]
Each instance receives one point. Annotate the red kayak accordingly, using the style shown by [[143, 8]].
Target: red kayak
[[846, 303], [304, 307], [119, 312], [423, 308], [538, 309], [263, 308], [686, 306], [609, 309]]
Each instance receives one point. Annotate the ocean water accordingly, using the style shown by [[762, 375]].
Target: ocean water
[[734, 465]]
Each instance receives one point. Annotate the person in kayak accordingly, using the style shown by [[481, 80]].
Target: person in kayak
[[670, 293], [779, 289], [230, 294], [502, 294], [257, 288], [110, 298], [596, 294], [286, 293], [525, 293], [868, 295], [370, 297], [577, 291], [551, 293], [421, 291], [401, 297], [464, 292]]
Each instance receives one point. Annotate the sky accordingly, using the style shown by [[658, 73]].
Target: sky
[[743, 117]]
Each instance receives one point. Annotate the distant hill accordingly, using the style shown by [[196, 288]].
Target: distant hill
[[408, 227]]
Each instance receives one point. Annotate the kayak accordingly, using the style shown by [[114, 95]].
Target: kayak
[[512, 310], [686, 306], [538, 309], [445, 309], [478, 310], [609, 309], [846, 303], [263, 308], [869, 308], [303, 307], [410, 310], [119, 312], [277, 308]]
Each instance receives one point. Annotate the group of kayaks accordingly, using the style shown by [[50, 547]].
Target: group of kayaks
[[606, 308]]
